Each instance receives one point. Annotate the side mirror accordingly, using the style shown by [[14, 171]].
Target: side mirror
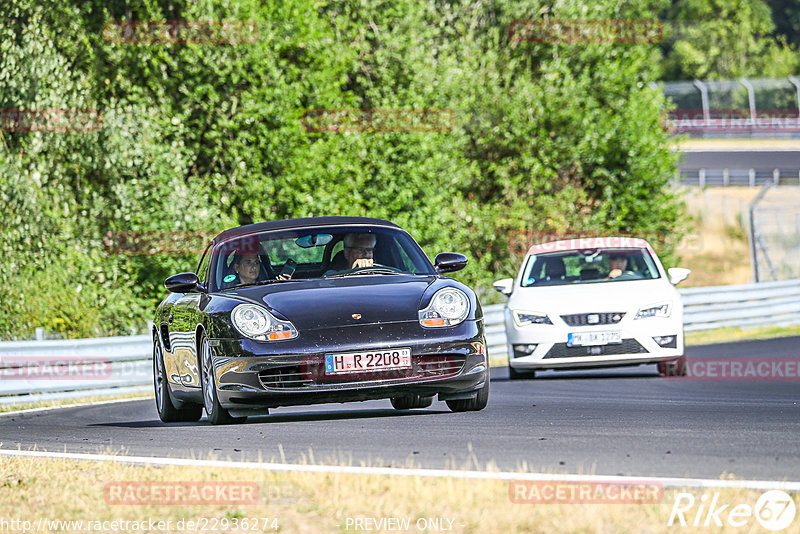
[[677, 274], [504, 286], [182, 283], [449, 262]]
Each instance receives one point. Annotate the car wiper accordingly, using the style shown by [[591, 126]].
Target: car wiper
[[377, 270], [264, 282]]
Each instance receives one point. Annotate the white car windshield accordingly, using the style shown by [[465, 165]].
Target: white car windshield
[[589, 266]]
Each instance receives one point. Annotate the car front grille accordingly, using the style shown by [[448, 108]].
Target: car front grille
[[311, 374], [591, 319], [628, 346]]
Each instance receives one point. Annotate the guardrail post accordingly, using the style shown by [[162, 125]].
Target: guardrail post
[[701, 175], [726, 177], [704, 100], [751, 97], [752, 234], [752, 177], [39, 333], [776, 176]]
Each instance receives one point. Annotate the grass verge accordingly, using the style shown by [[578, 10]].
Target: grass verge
[[731, 334], [65, 490], [69, 402]]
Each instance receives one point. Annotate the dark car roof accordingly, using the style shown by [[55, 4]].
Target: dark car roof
[[304, 222]]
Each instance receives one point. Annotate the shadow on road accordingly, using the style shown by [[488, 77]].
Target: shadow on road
[[285, 418]]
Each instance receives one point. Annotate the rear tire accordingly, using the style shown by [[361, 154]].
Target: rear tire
[[216, 414], [513, 374], [167, 411], [677, 367], [472, 405], [407, 402]]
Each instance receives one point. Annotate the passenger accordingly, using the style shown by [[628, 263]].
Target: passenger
[[247, 269]]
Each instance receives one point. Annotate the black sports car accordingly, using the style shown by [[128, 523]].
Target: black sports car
[[314, 310]]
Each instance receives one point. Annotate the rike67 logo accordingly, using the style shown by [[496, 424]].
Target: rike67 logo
[[774, 510]]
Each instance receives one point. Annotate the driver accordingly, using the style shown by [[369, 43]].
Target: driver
[[617, 264], [358, 250]]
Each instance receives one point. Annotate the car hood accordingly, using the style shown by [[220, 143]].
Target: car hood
[[325, 303], [624, 296]]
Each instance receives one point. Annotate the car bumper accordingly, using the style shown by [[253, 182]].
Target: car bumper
[[552, 351], [252, 375]]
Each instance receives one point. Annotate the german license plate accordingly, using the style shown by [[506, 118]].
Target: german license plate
[[371, 360], [583, 339]]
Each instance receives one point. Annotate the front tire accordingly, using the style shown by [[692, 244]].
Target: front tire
[[408, 402], [472, 405], [167, 411], [677, 367], [216, 414]]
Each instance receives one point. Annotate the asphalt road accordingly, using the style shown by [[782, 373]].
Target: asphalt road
[[624, 421], [784, 160]]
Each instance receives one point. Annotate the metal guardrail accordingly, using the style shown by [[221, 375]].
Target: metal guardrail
[[704, 177], [55, 369], [704, 308], [60, 369]]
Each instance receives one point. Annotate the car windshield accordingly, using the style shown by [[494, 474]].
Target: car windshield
[[291, 255], [589, 266]]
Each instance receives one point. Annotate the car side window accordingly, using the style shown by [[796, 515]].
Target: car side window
[[202, 268]]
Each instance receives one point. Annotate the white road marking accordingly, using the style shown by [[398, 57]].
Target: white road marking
[[667, 482]]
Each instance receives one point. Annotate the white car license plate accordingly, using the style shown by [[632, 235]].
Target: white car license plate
[[369, 360], [583, 339]]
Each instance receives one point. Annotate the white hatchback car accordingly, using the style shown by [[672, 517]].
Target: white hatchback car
[[593, 302]]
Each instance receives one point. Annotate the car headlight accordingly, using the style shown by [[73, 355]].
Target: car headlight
[[525, 318], [448, 307], [656, 310], [257, 323]]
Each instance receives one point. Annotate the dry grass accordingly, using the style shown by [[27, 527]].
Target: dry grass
[[318, 502], [71, 402], [731, 334], [718, 252]]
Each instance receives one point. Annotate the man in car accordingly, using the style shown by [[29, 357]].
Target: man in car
[[358, 250], [617, 265]]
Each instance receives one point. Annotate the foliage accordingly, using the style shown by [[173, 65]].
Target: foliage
[[558, 139]]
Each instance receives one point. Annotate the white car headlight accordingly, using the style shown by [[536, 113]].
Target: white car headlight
[[448, 307], [662, 309], [257, 323], [525, 318]]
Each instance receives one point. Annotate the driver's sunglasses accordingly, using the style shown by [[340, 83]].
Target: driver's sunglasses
[[363, 250]]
